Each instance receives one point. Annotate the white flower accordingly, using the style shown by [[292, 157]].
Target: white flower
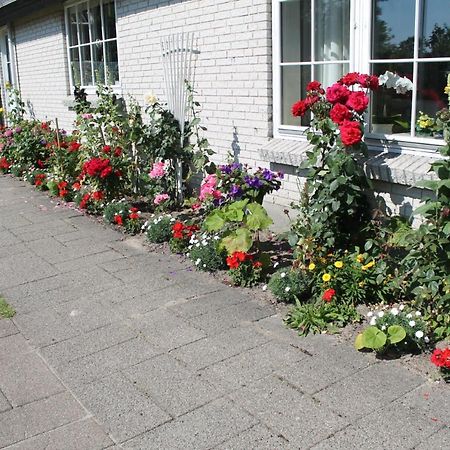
[[216, 238], [287, 289], [187, 255], [411, 323], [155, 221], [197, 244], [282, 274], [383, 327], [409, 316], [150, 99], [419, 334], [204, 243], [401, 307], [394, 311], [189, 247], [373, 321], [264, 288], [276, 264], [418, 313], [172, 219], [204, 265], [198, 261], [426, 339], [370, 314], [381, 314]]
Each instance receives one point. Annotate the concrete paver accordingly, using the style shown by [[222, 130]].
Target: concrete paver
[[116, 347]]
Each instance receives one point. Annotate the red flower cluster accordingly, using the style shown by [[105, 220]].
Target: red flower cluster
[[4, 164], [62, 189], [235, 260], [441, 358], [181, 231], [118, 220], [73, 147], [97, 167], [96, 195], [328, 295], [39, 179], [134, 214]]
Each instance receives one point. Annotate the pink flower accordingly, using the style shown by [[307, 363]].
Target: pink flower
[[208, 187], [157, 170], [160, 198], [87, 116]]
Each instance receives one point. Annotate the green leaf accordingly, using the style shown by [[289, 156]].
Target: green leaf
[[396, 333], [239, 240], [215, 221], [293, 239], [359, 342], [446, 229], [373, 338], [234, 212], [257, 217]]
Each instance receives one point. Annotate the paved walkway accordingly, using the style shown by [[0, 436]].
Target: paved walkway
[[116, 347]]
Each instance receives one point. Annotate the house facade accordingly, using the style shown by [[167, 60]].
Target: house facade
[[253, 60]]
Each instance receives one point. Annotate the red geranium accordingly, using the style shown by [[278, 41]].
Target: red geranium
[[4, 164], [84, 200], [118, 220], [351, 133], [73, 147], [299, 109], [233, 261], [337, 93], [39, 179], [441, 358], [339, 113], [358, 101], [117, 152], [76, 186], [98, 195], [134, 214], [62, 191], [328, 295]]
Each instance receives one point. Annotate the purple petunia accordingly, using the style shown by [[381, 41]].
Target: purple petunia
[[268, 175], [235, 191], [253, 182]]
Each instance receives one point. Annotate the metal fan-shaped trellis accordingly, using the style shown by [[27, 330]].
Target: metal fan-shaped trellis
[[177, 60]]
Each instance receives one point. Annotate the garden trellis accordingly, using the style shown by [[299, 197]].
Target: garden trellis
[[176, 51]]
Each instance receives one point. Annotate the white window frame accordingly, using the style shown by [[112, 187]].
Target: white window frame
[[8, 76], [90, 89], [360, 61]]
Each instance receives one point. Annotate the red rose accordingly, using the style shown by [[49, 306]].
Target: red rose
[[117, 151], [106, 148], [328, 295], [369, 81], [337, 93], [350, 79], [314, 86], [118, 220], [74, 146], [106, 172], [351, 133], [311, 99], [358, 101], [299, 109], [339, 113]]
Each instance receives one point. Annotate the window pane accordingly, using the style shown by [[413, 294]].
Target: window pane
[[332, 29], [112, 65], [431, 81], [83, 23], [75, 66], [388, 108], [109, 17], [96, 20], [86, 65], [99, 68], [435, 32], [72, 17], [296, 31], [393, 29], [294, 81], [328, 74]]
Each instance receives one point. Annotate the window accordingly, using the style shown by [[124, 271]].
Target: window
[[92, 43], [7, 62], [323, 39]]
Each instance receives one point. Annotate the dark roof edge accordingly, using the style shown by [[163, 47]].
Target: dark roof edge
[[11, 10]]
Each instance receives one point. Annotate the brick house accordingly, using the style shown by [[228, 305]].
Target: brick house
[[254, 60]]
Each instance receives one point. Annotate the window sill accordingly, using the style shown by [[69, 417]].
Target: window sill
[[397, 168]]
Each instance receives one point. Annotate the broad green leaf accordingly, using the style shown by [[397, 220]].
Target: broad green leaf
[[257, 217], [239, 240], [396, 333], [359, 345], [215, 221], [373, 338], [235, 211], [446, 229]]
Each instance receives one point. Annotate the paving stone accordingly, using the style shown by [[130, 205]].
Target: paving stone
[[214, 301], [171, 385], [35, 232], [437, 441], [203, 428], [332, 364], [7, 328], [25, 378], [377, 385], [122, 410], [251, 365], [9, 251], [213, 349], [87, 343], [288, 412], [8, 238], [89, 260], [106, 362], [258, 437], [4, 404], [83, 435], [232, 316], [13, 345], [165, 331], [38, 417]]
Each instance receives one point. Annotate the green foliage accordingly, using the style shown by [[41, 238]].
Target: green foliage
[[320, 317], [206, 253], [6, 311], [290, 284], [114, 208], [133, 226], [247, 274], [159, 230]]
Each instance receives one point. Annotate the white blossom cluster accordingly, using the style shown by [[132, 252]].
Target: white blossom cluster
[[391, 80], [155, 220]]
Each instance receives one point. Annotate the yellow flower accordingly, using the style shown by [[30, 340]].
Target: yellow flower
[[360, 258], [326, 277], [361, 284], [338, 264], [447, 89], [368, 265], [312, 266]]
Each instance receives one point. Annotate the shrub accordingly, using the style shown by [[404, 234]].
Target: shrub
[[206, 254], [133, 221], [159, 230], [114, 209], [288, 285], [244, 270]]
